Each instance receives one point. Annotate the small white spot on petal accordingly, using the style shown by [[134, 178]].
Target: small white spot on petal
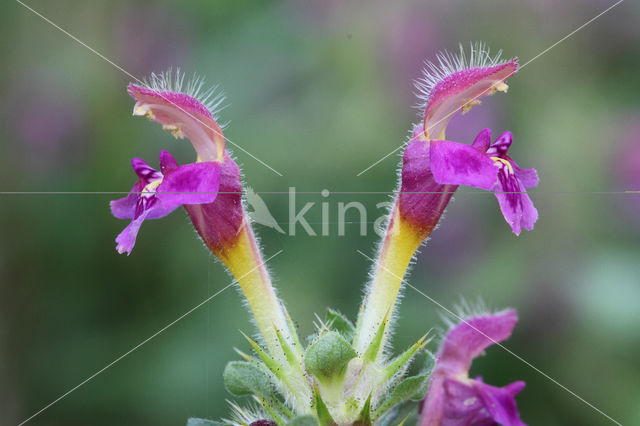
[[470, 401]]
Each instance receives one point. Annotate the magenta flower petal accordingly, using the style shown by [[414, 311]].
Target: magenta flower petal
[[527, 177], [515, 204], [422, 200], [517, 208], [459, 164], [145, 172], [430, 166], [167, 162], [464, 407], [156, 194], [502, 144], [500, 402], [470, 338], [219, 222], [127, 238], [476, 403], [455, 399], [195, 183], [482, 142], [124, 208]]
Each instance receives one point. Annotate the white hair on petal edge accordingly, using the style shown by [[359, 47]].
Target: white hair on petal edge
[[464, 310], [448, 63], [174, 81]]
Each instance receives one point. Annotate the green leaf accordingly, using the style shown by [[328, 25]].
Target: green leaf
[[328, 356], [271, 364], [401, 362], [402, 414], [411, 388], [338, 322], [372, 351], [203, 422], [292, 359], [365, 414], [244, 378], [294, 333], [306, 420], [324, 417], [273, 413]]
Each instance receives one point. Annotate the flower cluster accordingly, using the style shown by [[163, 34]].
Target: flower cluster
[[345, 375]]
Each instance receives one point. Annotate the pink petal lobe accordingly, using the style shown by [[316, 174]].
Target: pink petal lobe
[[527, 177], [422, 200], [219, 222], [124, 208], [516, 206], [471, 337], [127, 238], [482, 142], [195, 183], [459, 164], [500, 402]]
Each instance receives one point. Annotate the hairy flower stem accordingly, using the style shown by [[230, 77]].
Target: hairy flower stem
[[400, 242], [244, 260]]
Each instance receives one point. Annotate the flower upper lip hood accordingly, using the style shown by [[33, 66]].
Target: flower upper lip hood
[[455, 399], [188, 113], [456, 83]]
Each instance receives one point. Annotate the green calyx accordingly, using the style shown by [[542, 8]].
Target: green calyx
[[327, 382]]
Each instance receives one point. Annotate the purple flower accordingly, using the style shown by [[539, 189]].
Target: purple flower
[[434, 167], [210, 190], [487, 166], [158, 193], [455, 84], [455, 399], [189, 114]]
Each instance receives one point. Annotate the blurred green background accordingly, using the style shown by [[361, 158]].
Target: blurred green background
[[319, 90]]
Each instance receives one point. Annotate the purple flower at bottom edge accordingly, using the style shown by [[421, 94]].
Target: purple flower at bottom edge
[[487, 166], [158, 193], [454, 399]]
